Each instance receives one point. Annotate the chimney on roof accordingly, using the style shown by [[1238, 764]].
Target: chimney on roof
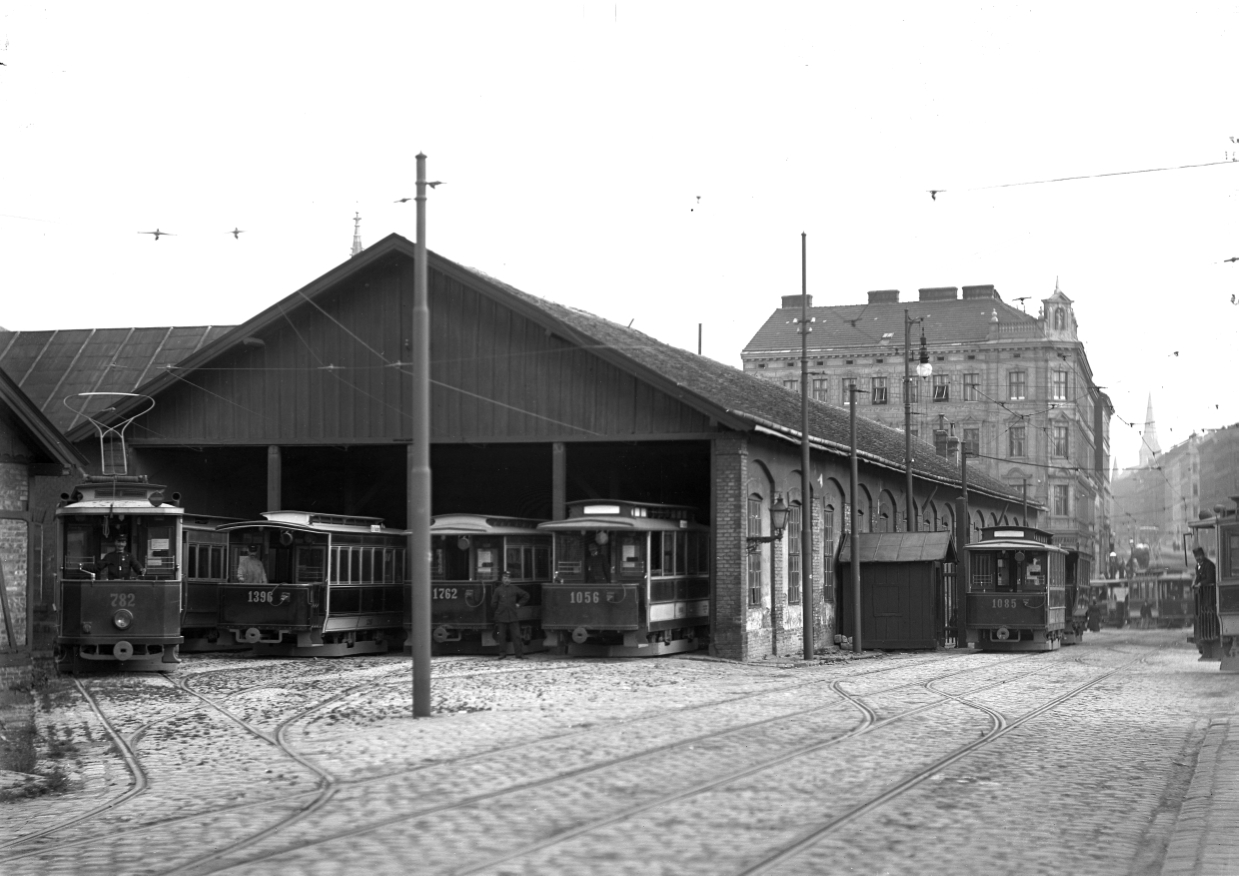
[[884, 296], [940, 293], [986, 291], [794, 301], [356, 234]]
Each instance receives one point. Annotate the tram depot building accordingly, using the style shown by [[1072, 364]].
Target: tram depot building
[[533, 405]]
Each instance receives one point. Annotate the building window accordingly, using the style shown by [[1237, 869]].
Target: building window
[[1015, 441], [755, 557], [793, 555], [972, 386], [1062, 497], [846, 384], [819, 386], [877, 391], [942, 387], [912, 387], [972, 440], [792, 384], [1060, 447], [1058, 385], [914, 432], [828, 549], [1060, 318], [1017, 385]]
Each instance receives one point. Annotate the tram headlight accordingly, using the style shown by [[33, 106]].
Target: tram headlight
[[123, 619]]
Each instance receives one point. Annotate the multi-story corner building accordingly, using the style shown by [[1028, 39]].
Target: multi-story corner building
[[1016, 389]]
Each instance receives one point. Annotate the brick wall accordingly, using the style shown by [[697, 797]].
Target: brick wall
[[728, 465], [14, 545]]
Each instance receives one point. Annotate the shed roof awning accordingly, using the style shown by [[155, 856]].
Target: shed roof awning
[[900, 547]]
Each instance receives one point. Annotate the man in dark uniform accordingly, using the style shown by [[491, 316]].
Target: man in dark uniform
[[507, 601], [118, 562], [1206, 572]]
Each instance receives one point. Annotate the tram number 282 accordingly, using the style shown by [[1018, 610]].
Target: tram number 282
[[124, 600]]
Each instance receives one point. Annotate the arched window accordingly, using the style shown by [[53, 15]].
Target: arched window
[[1060, 319]]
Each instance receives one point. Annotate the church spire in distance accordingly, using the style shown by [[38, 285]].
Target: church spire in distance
[[1149, 448], [356, 233]]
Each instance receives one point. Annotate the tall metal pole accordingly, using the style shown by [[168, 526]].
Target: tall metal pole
[[419, 464], [806, 500], [961, 552], [855, 487], [907, 423]]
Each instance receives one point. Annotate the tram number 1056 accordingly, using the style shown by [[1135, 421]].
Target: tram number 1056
[[1006, 603], [584, 597]]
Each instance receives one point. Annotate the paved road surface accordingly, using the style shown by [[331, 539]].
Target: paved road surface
[[1083, 760]]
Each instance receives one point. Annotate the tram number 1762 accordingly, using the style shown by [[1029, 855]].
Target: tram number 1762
[[444, 593]]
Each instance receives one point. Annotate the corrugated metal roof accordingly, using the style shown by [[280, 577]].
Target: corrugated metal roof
[[899, 547], [50, 366]]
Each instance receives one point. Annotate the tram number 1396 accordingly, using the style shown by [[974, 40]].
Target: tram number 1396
[[262, 596], [1006, 603], [584, 597]]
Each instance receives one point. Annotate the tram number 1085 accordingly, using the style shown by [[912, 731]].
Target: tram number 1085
[[1006, 603], [584, 597]]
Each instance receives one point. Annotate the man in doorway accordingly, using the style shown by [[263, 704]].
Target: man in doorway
[[1206, 571], [251, 570]]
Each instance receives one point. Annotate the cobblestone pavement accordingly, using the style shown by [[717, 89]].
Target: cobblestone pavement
[[1115, 756]]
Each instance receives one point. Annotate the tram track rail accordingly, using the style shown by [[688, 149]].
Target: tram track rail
[[28, 845], [868, 724]]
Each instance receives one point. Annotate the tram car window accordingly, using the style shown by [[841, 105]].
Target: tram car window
[[304, 584], [631, 579], [120, 585], [469, 553]]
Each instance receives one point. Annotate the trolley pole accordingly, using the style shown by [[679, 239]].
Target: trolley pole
[[910, 524], [419, 464], [806, 482], [855, 489]]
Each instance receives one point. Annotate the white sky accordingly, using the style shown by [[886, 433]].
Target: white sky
[[574, 139]]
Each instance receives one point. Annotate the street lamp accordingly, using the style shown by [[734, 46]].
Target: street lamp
[[923, 369], [778, 522]]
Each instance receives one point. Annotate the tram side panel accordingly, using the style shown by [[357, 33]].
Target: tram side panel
[[629, 593], [311, 585], [465, 569]]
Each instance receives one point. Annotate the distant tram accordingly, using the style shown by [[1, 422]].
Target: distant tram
[[468, 553], [120, 577], [1216, 626], [302, 584], [631, 579], [1016, 590]]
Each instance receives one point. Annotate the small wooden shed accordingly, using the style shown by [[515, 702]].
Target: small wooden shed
[[903, 588]]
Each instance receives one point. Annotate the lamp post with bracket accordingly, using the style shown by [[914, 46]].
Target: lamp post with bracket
[[923, 369]]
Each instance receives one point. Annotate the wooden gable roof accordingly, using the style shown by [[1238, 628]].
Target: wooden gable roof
[[329, 364], [30, 436]]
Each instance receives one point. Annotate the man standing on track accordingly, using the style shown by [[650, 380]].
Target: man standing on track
[[507, 601]]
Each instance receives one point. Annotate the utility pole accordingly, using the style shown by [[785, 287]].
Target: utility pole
[[855, 492], [961, 552], [806, 482], [419, 465]]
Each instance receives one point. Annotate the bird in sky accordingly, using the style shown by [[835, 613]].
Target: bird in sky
[[237, 232], [158, 234], [402, 200], [1232, 259], [933, 193]]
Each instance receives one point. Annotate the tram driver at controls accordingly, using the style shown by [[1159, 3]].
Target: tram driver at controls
[[118, 563], [597, 564]]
